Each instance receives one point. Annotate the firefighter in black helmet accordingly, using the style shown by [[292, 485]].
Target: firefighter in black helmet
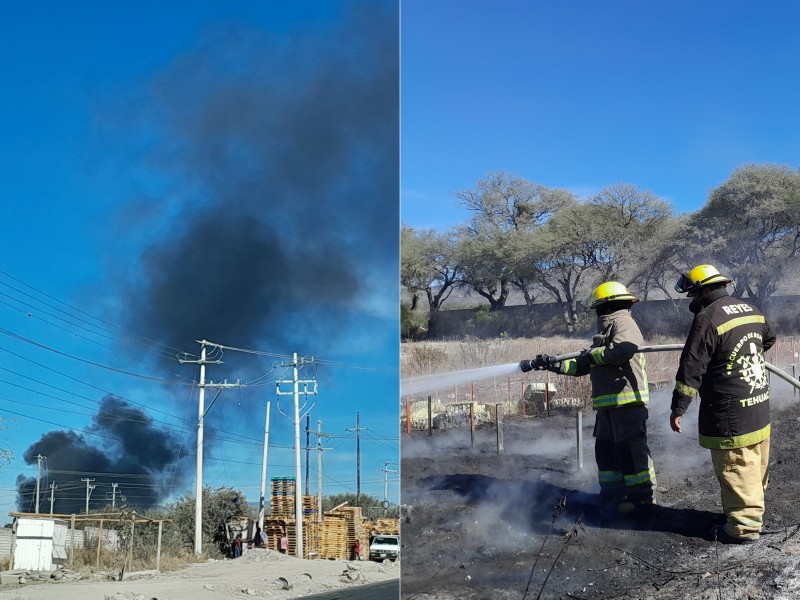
[[619, 395], [723, 363]]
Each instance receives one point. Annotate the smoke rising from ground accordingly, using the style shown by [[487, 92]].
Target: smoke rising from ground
[[141, 458]]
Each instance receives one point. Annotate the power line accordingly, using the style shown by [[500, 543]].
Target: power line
[[21, 338], [105, 325]]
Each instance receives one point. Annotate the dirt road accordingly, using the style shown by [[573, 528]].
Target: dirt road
[[255, 575]]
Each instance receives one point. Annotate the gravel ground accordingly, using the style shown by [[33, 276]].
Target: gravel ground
[[259, 573]]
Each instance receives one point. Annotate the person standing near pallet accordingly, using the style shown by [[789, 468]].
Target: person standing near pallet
[[619, 395], [723, 363]]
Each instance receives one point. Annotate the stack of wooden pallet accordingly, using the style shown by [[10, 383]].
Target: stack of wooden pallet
[[275, 528], [357, 527], [334, 538], [310, 508], [386, 525], [282, 498], [282, 522]]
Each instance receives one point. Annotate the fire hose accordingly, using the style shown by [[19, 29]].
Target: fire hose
[[672, 347]]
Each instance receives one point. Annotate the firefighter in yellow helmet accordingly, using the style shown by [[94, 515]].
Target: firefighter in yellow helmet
[[619, 395], [723, 362]]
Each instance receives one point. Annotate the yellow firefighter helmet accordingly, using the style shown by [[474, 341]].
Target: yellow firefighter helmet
[[607, 292], [699, 277]]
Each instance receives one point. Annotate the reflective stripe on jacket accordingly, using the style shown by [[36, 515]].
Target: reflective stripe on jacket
[[723, 362], [618, 374]]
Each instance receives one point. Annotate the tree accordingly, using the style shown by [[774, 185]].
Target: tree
[[624, 222], [528, 249], [667, 254], [567, 250], [750, 226], [218, 507], [428, 265], [504, 208]]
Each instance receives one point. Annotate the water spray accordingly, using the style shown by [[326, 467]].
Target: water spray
[[438, 381]]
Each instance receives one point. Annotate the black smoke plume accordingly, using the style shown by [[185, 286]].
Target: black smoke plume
[[128, 449], [268, 216], [284, 214]]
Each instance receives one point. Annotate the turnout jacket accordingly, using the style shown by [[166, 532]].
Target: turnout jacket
[[617, 373], [723, 362]]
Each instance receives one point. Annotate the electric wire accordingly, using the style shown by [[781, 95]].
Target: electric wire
[[106, 326], [215, 353], [21, 338]]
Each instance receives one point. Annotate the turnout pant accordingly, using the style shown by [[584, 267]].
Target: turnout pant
[[624, 465], [743, 475]]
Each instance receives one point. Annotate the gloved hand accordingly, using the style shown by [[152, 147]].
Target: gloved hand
[[545, 362]]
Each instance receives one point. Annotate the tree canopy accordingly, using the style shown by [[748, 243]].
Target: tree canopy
[[555, 247]]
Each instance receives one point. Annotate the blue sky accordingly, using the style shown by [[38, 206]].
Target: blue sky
[[186, 170], [669, 96]]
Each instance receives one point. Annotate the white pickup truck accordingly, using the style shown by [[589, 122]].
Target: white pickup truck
[[384, 546]]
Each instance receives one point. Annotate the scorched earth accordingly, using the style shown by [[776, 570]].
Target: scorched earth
[[524, 523]]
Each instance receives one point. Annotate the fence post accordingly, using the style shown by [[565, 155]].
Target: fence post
[[579, 428], [499, 425], [547, 393], [130, 548], [72, 542], [430, 416], [158, 547], [472, 424], [99, 543]]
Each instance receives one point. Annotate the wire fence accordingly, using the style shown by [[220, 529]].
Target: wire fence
[[541, 393]]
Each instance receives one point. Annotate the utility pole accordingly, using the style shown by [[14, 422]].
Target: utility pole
[[262, 500], [298, 500], [358, 459], [386, 470], [89, 489], [39, 459], [320, 435], [53, 488], [201, 413], [308, 450], [113, 495]]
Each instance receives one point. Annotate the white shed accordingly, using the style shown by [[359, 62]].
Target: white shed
[[38, 544]]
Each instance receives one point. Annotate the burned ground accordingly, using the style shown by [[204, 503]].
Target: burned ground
[[524, 523]]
